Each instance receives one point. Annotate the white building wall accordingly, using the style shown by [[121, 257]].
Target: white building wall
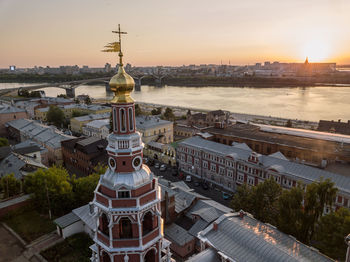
[[72, 229]]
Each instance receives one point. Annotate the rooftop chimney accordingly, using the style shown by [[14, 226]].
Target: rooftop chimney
[[241, 214], [215, 226]]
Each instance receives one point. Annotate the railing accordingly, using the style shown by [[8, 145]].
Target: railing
[[123, 144]]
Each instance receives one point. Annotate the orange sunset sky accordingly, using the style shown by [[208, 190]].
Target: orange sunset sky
[[164, 32]]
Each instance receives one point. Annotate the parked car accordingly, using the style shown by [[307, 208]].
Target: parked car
[[181, 175], [226, 196], [174, 171], [188, 179], [162, 168], [205, 186], [156, 165], [196, 183]]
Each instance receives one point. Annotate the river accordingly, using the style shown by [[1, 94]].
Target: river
[[306, 103]]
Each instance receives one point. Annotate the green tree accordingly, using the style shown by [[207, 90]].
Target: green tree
[[156, 111], [76, 101], [77, 113], [50, 189], [168, 114], [265, 201], [261, 201], [138, 110], [331, 230], [10, 185], [318, 196], [55, 116], [62, 95], [83, 189], [3, 142], [242, 200], [291, 211], [88, 100]]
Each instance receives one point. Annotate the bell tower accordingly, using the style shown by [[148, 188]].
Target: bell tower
[[126, 200]]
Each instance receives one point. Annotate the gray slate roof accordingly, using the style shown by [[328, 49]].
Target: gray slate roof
[[211, 207], [83, 213], [300, 171], [248, 239], [208, 214], [7, 109], [28, 144], [11, 164], [46, 135], [183, 200], [197, 227], [93, 117], [177, 234], [66, 220], [146, 122], [208, 255]]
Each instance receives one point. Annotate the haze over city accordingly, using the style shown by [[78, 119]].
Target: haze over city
[[174, 32]]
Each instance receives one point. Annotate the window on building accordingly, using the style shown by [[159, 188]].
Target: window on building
[[229, 173], [250, 181], [104, 224], [115, 125], [131, 119], [189, 159], [147, 223], [123, 194], [340, 199], [125, 228], [221, 170], [122, 120], [213, 167], [205, 164]]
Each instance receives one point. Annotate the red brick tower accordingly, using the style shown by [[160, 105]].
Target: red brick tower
[[127, 197]]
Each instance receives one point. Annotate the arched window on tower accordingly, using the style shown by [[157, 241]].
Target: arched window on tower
[[150, 256], [131, 119], [125, 228], [115, 122], [104, 224], [147, 223], [122, 118]]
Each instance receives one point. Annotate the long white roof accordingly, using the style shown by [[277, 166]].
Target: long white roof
[[305, 133]]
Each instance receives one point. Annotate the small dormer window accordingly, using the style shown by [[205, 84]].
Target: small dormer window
[[123, 194]]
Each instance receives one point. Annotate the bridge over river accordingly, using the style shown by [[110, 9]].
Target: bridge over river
[[70, 86]]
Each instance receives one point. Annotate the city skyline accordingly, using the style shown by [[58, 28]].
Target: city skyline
[[173, 33]]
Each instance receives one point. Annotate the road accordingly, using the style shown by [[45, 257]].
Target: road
[[211, 193]]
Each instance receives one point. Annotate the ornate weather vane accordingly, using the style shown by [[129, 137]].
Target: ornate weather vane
[[116, 46]]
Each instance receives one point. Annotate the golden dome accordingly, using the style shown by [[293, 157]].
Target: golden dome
[[122, 85]]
